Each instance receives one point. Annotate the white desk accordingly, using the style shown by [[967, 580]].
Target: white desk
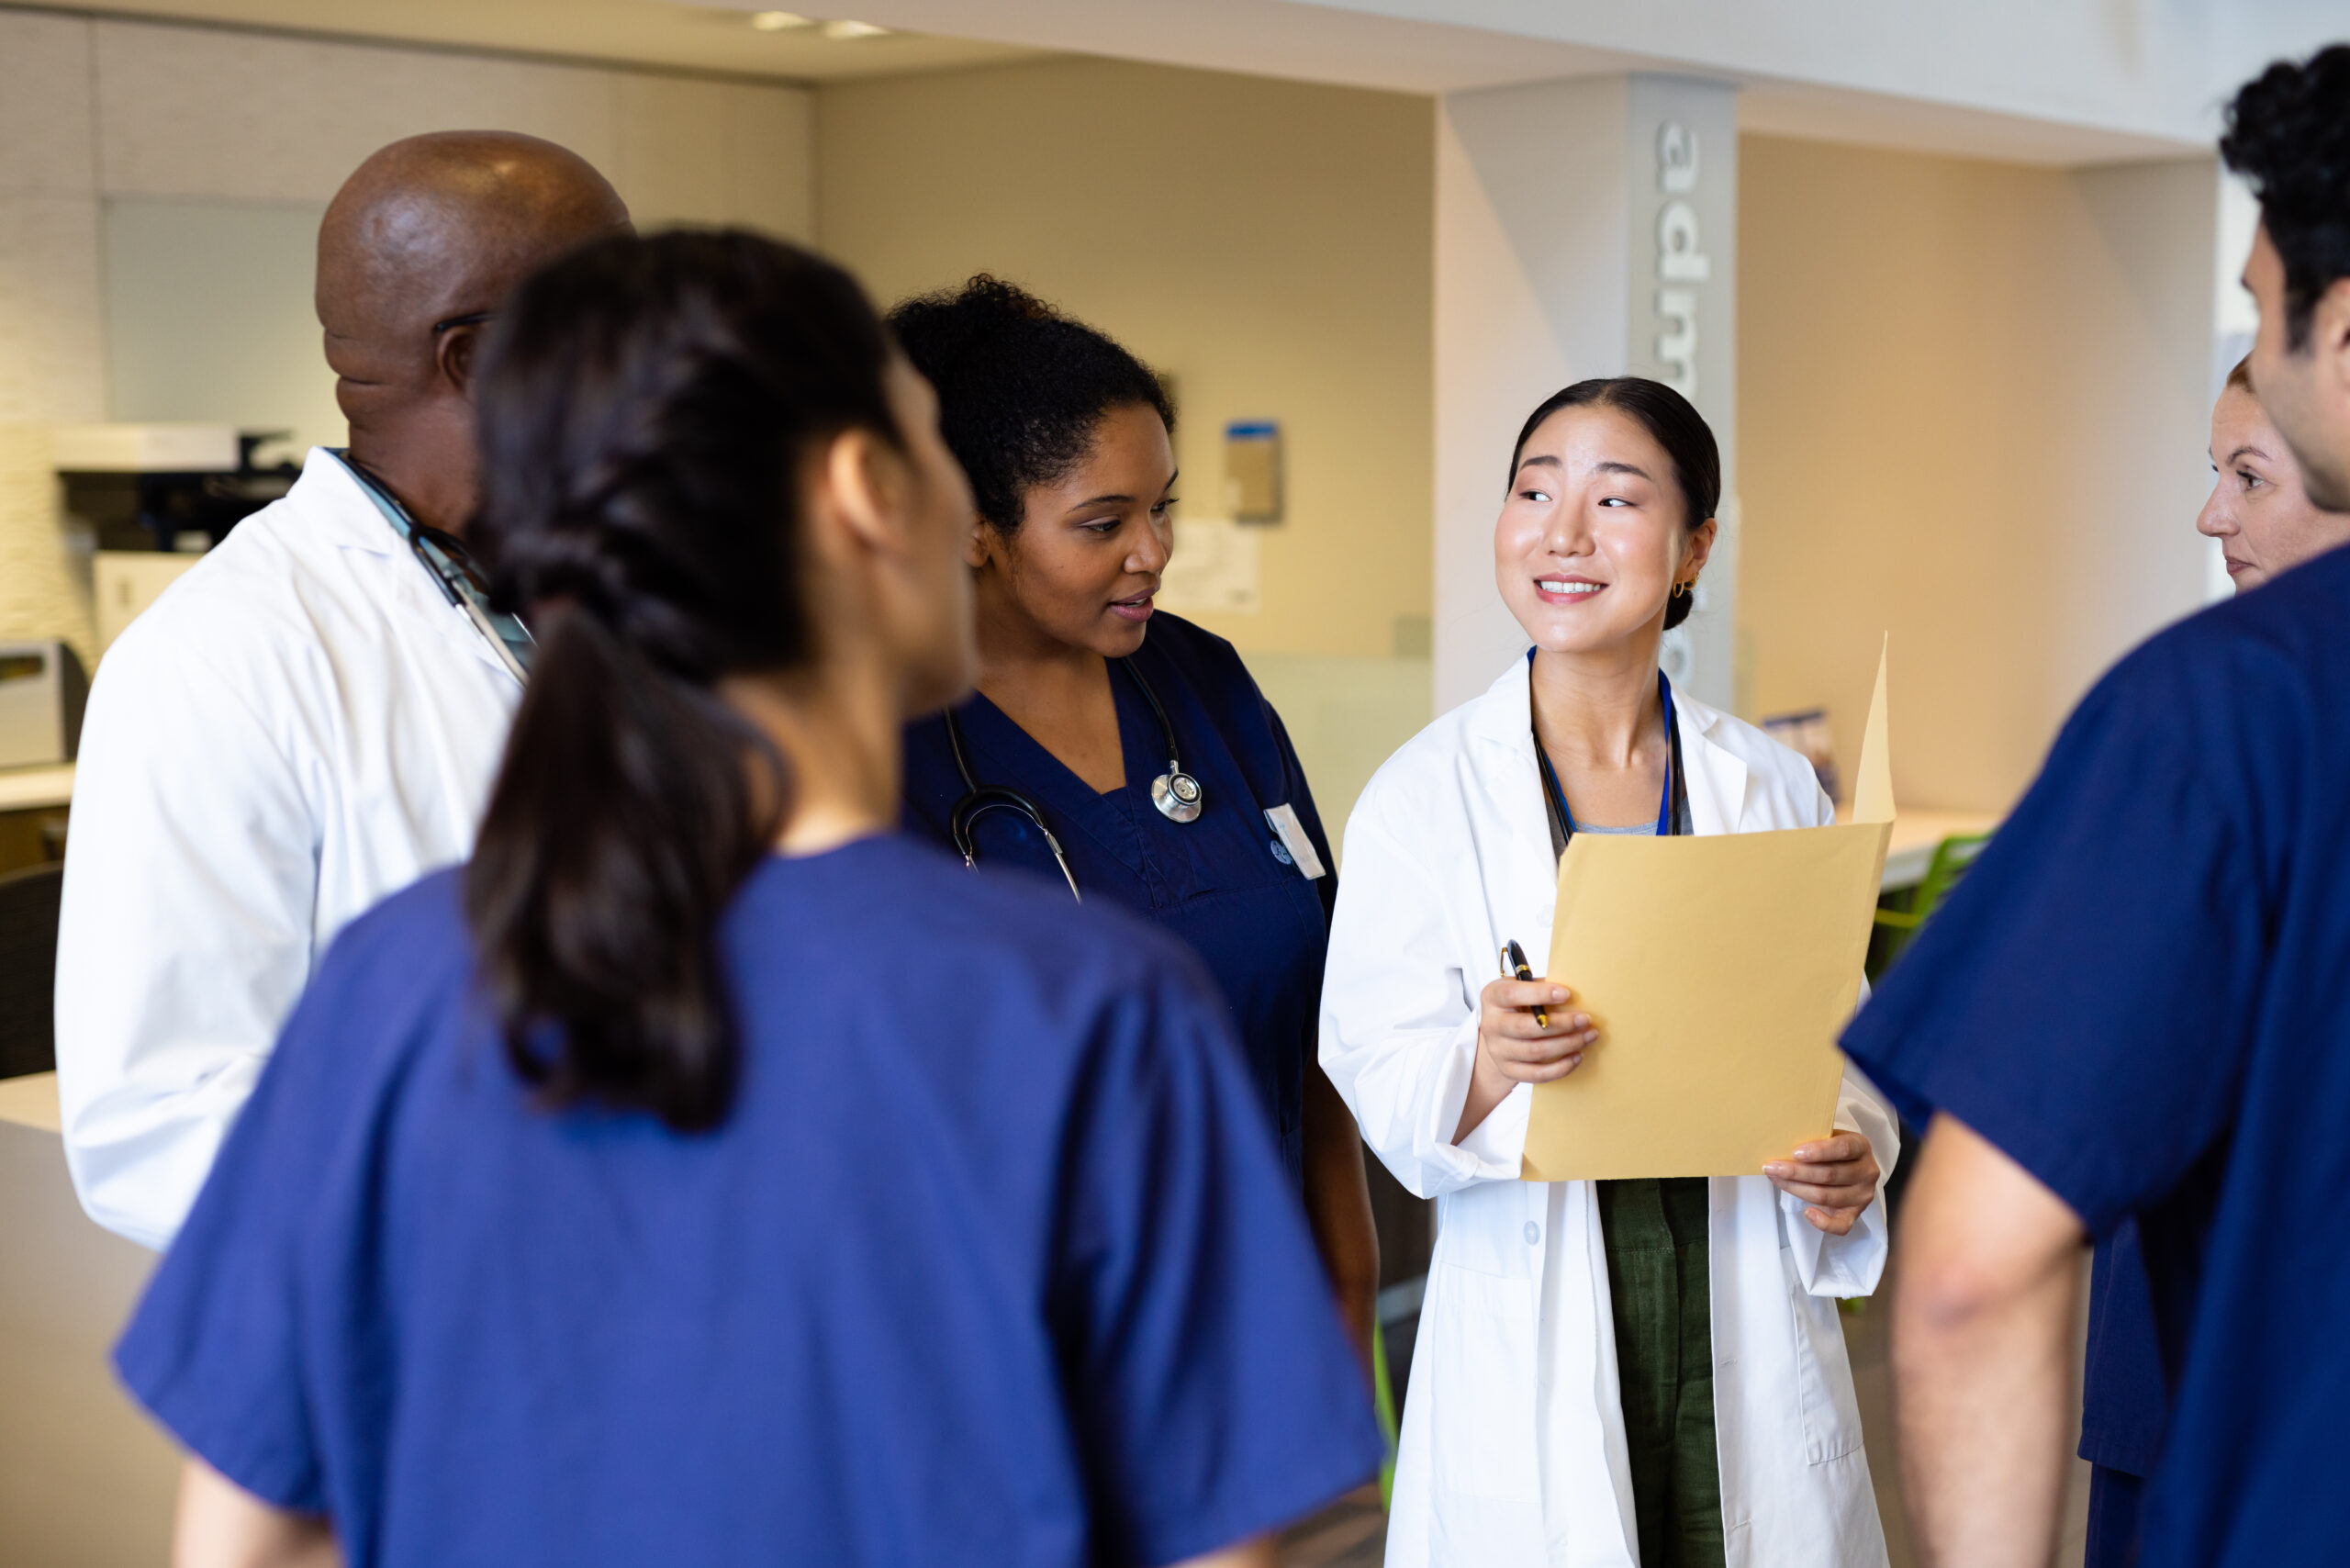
[[84, 1477], [1916, 835], [35, 789], [32, 1101]]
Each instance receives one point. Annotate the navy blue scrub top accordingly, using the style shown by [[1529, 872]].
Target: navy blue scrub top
[[1222, 883], [2122, 1404], [2139, 994], [991, 1261]]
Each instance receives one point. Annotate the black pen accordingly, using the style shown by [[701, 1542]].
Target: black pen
[[1513, 968]]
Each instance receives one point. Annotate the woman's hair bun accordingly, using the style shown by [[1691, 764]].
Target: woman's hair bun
[[986, 294], [1021, 386]]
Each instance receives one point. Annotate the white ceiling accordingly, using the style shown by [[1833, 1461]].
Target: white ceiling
[[658, 33], [2056, 82]]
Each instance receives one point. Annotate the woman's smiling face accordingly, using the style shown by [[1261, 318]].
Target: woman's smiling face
[[1595, 533]]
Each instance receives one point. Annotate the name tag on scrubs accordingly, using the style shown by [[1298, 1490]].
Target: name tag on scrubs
[[1292, 833]]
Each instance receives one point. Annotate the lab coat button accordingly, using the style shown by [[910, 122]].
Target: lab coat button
[[1533, 1233]]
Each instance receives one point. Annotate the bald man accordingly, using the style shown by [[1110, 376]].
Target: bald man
[[311, 718]]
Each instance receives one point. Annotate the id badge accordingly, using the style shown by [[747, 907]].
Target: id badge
[[1290, 834]]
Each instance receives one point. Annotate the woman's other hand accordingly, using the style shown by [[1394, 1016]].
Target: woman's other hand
[[1512, 1049], [1836, 1176]]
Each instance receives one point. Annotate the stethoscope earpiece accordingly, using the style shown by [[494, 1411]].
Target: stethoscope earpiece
[[1176, 793]]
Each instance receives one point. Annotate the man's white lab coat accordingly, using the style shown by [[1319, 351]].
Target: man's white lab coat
[[1513, 1449], [300, 725]]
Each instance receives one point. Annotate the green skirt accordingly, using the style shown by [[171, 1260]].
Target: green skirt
[[1657, 1285]]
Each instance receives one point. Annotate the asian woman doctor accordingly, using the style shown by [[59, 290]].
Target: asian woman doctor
[[1606, 1372]]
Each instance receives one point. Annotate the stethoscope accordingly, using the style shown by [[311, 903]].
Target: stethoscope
[[1176, 793], [453, 570]]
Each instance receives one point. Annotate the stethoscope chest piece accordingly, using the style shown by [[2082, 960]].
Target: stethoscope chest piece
[[1176, 793], [1178, 796]]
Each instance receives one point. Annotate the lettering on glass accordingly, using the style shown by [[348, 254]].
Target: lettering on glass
[[1679, 261]]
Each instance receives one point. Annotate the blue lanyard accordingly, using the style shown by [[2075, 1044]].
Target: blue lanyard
[[1665, 806], [458, 578]]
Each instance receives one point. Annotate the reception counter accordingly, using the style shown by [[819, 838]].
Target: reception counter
[[85, 1479]]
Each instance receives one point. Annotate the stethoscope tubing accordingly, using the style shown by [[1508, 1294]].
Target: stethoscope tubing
[[442, 574], [445, 570], [1175, 793]]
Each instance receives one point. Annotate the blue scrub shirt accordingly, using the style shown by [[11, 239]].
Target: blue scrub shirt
[[1223, 883], [993, 1261], [2122, 1405], [2141, 993]]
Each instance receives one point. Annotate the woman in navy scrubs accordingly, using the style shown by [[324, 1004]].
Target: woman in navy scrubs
[[1097, 716], [707, 1174]]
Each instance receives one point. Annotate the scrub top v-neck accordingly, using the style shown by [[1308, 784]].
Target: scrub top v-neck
[[1224, 883]]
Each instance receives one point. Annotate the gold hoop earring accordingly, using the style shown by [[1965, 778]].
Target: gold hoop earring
[[1682, 590]]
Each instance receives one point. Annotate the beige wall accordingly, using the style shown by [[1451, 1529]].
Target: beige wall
[[93, 111], [1973, 403], [1266, 242]]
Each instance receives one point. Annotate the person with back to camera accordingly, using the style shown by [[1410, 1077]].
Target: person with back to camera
[[1630, 1371], [2133, 1008], [2260, 514], [706, 1173], [1119, 751]]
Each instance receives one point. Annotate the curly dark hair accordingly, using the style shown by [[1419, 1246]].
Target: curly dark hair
[[2288, 134], [1021, 386]]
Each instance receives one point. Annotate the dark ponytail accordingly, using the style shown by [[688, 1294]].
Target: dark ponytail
[[647, 410], [1672, 421]]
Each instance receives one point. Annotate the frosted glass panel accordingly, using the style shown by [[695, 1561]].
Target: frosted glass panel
[[208, 316]]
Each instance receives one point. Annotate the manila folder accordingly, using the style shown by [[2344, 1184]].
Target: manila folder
[[1719, 972]]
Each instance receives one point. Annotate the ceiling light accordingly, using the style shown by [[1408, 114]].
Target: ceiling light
[[778, 21], [844, 30]]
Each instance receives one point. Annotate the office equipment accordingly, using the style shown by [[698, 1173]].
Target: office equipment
[[123, 583], [42, 691], [162, 487]]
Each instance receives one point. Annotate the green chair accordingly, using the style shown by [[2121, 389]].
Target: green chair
[[1953, 855]]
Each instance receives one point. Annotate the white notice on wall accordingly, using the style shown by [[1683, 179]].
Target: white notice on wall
[[1213, 569]]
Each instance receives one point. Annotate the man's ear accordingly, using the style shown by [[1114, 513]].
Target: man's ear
[[2330, 329], [455, 353]]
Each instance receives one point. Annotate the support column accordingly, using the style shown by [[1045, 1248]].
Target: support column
[[1583, 227]]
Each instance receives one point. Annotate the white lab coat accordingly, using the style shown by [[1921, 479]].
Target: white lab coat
[[1512, 1452], [300, 725]]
